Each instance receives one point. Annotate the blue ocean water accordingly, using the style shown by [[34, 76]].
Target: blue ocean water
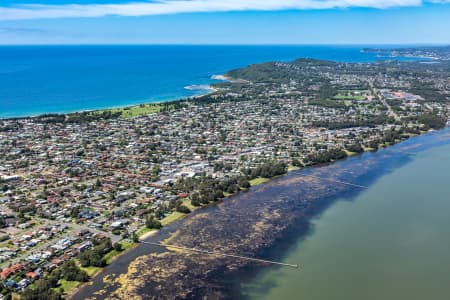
[[48, 79]]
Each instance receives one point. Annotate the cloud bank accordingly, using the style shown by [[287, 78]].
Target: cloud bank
[[161, 7]]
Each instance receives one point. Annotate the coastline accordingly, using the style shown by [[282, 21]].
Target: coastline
[[256, 181], [204, 61], [169, 232], [142, 237], [109, 108], [148, 234], [202, 90], [264, 231]]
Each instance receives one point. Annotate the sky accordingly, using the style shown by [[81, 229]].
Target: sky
[[361, 22]]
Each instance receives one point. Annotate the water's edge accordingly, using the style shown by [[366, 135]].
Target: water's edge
[[297, 230]]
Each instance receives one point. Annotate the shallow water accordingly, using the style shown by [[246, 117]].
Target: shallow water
[[362, 243], [391, 241]]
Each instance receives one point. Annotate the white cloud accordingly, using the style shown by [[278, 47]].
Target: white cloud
[[159, 7]]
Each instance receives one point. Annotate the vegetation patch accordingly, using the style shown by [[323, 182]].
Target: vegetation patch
[[91, 270], [138, 110], [187, 202], [143, 230], [172, 218], [350, 153], [118, 249], [67, 287], [258, 180]]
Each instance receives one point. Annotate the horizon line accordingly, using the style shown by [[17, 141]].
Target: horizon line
[[421, 44]]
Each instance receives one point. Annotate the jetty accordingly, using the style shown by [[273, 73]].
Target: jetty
[[338, 181], [215, 253]]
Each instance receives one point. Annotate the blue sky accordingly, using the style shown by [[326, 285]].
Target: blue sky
[[225, 22]]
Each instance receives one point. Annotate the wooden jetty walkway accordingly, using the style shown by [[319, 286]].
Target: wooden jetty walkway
[[224, 254], [338, 181]]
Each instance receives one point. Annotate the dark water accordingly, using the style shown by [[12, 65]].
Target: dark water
[[44, 79], [369, 243]]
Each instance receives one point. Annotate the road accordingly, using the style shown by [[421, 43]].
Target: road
[[383, 101]]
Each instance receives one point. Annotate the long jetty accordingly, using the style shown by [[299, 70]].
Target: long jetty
[[338, 181], [295, 266]]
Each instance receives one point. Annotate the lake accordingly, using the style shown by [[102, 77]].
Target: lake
[[386, 241], [389, 242]]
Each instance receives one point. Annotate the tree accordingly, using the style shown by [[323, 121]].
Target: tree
[[152, 222], [183, 209], [269, 169], [195, 199], [297, 163], [43, 289], [232, 188], [117, 247], [432, 121], [243, 183], [357, 148], [135, 238], [3, 223], [98, 183], [94, 256], [71, 272]]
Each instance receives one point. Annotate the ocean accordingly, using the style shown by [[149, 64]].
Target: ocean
[[60, 79]]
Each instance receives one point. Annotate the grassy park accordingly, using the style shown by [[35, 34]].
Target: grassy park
[[258, 180], [137, 110]]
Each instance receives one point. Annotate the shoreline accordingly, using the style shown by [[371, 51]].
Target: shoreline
[[113, 259], [259, 181], [333, 241], [164, 236], [199, 76], [122, 107], [258, 231], [316, 208], [206, 88], [134, 140]]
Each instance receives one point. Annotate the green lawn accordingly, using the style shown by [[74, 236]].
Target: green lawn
[[137, 110], [348, 97], [369, 149], [258, 180], [292, 168], [187, 203], [350, 153], [172, 218], [7, 244], [111, 254], [143, 230], [68, 286], [344, 91], [91, 270], [347, 102]]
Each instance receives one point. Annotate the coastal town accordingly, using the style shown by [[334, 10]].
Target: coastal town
[[77, 190]]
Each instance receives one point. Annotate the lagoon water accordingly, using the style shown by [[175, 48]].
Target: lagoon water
[[390, 242], [49, 79]]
